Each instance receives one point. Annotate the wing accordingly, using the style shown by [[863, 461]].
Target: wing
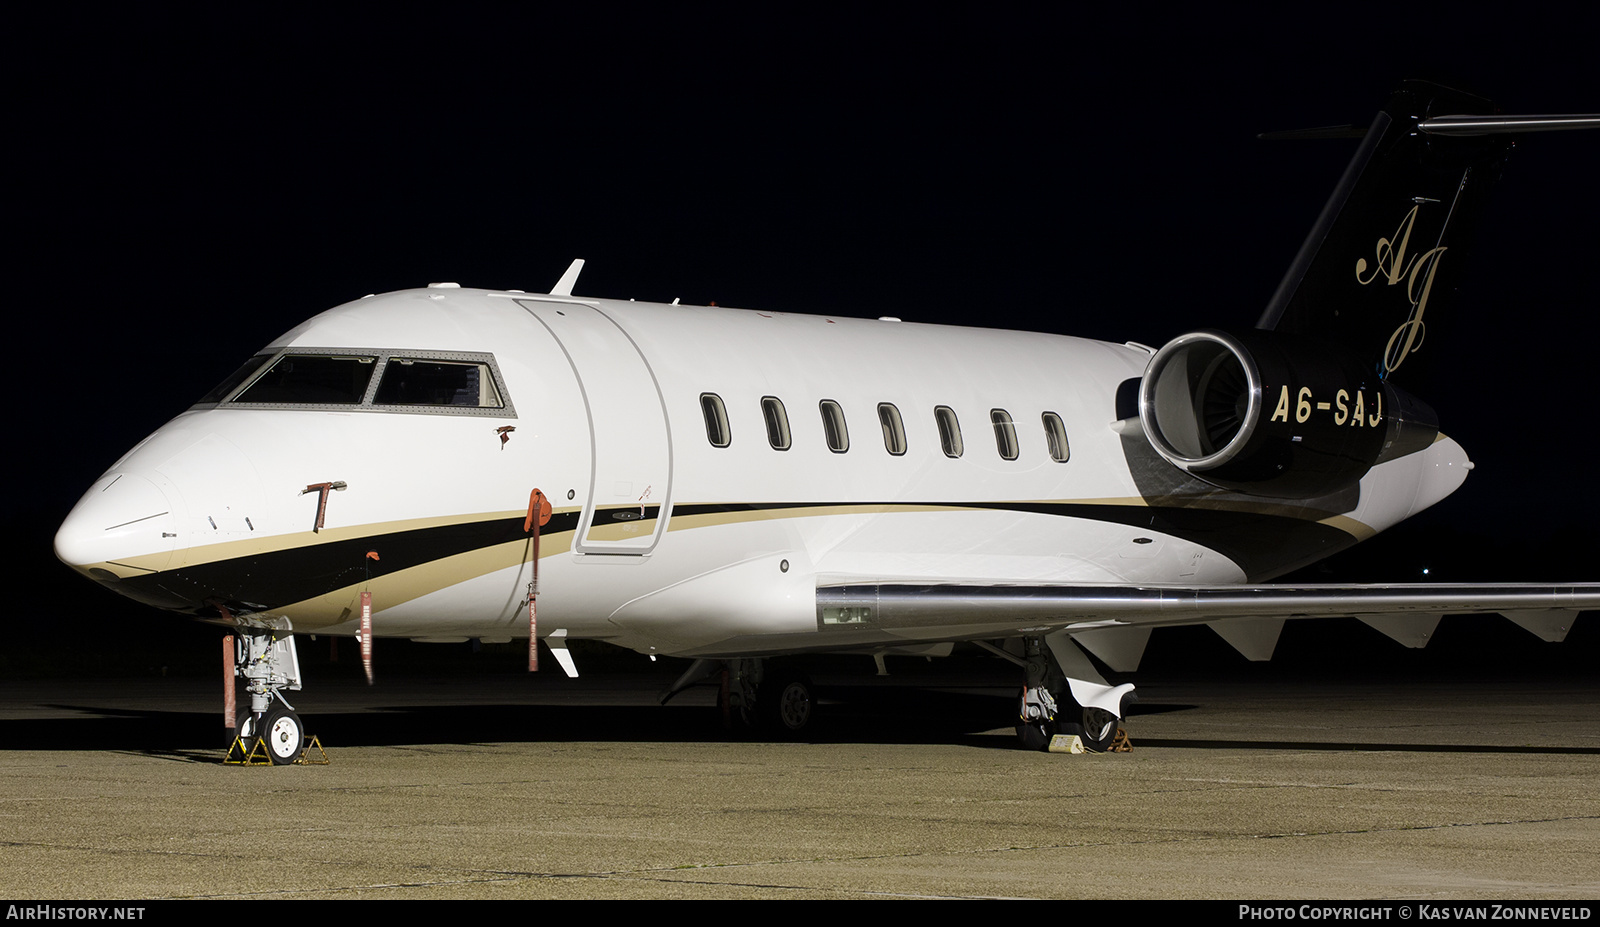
[[1113, 622]]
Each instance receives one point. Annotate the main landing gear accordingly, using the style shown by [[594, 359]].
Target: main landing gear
[[766, 695], [770, 696], [269, 727], [1064, 694]]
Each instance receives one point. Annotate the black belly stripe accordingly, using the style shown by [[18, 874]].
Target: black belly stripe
[[1263, 544], [277, 578]]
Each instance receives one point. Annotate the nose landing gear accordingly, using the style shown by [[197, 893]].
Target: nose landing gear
[[269, 731]]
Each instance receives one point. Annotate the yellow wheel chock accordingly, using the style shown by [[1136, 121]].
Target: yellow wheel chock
[[256, 753]]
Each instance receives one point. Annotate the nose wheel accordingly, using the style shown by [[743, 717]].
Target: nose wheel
[[283, 735], [276, 736]]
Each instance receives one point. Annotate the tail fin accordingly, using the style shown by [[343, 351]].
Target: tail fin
[[1391, 241]]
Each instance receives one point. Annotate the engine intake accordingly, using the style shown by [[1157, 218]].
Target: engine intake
[[1269, 414]]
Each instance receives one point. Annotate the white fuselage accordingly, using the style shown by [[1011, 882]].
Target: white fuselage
[[662, 541]]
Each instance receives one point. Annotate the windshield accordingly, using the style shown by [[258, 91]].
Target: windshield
[[339, 379], [369, 380]]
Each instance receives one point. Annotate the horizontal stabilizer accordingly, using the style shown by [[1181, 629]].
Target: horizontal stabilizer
[[1254, 638], [1120, 648], [1550, 624], [1505, 125], [1410, 630]]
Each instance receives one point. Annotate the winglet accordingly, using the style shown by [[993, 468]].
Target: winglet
[[564, 286]]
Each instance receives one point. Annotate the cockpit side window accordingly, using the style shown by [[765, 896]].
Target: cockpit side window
[[316, 379], [245, 372]]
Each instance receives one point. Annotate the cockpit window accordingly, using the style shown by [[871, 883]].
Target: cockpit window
[[245, 372], [318, 379], [368, 380], [411, 381]]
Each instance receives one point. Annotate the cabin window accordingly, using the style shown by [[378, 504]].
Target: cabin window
[[949, 430], [834, 428], [415, 381], [777, 419], [1005, 433], [314, 379], [717, 431], [894, 430], [1055, 435]]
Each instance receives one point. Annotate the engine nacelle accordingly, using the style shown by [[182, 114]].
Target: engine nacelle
[[1272, 415]]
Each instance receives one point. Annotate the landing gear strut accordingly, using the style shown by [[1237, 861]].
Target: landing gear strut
[[1064, 694], [267, 661], [771, 696]]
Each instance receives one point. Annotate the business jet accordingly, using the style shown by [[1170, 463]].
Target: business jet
[[738, 487]]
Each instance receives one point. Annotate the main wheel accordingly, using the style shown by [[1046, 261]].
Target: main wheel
[[789, 705], [1099, 729], [283, 735]]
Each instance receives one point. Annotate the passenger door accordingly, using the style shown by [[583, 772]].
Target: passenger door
[[630, 477]]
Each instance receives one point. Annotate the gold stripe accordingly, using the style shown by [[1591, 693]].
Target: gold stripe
[[622, 531], [122, 570], [1356, 529], [682, 522]]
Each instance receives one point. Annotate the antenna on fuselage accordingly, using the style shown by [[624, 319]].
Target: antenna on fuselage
[[564, 286]]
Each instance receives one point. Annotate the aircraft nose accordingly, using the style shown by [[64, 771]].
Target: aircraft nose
[[124, 520]]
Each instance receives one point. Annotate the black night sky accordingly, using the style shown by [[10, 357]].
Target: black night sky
[[189, 182]]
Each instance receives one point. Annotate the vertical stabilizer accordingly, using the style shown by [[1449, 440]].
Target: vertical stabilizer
[[1391, 243]]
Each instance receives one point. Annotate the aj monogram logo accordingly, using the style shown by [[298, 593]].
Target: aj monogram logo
[[1393, 266]]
